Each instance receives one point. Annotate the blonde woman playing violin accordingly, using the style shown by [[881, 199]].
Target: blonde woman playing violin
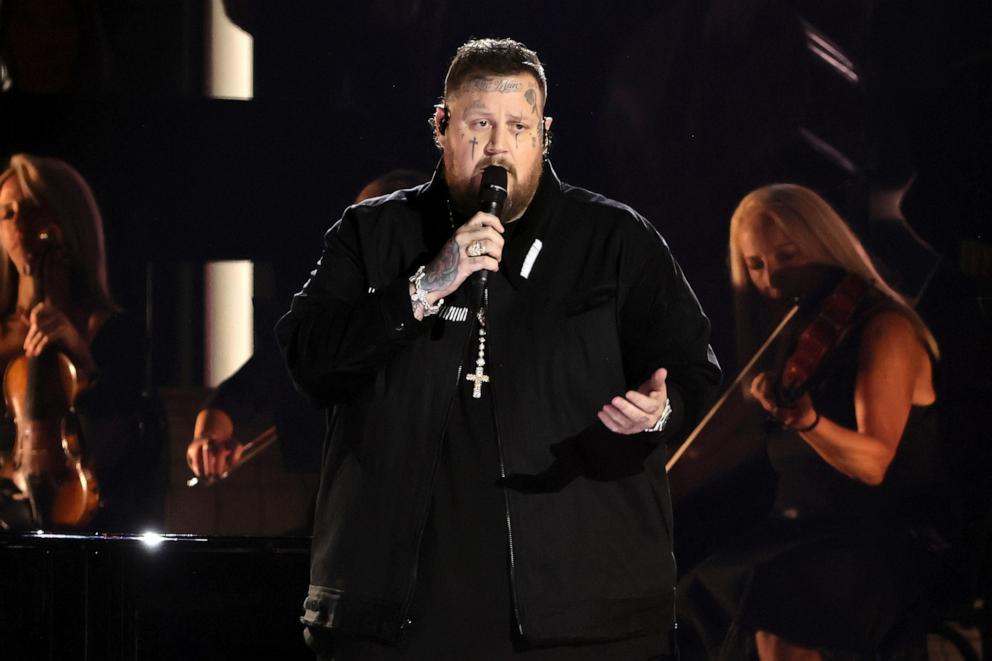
[[50, 225], [837, 565]]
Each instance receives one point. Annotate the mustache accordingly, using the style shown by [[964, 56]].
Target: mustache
[[506, 166]]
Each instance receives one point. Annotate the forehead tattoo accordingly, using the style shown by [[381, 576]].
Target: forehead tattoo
[[501, 85]]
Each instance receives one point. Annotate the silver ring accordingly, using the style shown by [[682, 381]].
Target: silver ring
[[475, 249]]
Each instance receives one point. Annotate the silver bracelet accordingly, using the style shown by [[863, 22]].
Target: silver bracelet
[[419, 295], [663, 420]]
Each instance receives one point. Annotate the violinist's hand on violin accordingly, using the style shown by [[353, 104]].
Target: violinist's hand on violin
[[213, 458], [639, 409], [796, 416], [48, 325]]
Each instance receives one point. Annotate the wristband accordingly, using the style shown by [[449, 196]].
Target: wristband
[[803, 430], [663, 420], [419, 295]]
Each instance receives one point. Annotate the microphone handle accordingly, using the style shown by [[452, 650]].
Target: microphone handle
[[492, 207], [480, 278], [478, 281]]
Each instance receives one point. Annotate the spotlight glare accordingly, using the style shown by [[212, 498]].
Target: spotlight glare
[[151, 539]]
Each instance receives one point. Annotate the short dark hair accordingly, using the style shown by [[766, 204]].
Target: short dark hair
[[493, 56]]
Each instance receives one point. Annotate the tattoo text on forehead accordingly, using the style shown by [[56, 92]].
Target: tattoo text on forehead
[[501, 85], [531, 96]]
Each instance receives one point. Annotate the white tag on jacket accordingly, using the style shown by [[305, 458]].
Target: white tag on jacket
[[535, 249], [454, 313]]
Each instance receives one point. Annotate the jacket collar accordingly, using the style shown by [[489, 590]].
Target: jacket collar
[[535, 224]]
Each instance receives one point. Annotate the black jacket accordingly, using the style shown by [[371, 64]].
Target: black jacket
[[603, 306]]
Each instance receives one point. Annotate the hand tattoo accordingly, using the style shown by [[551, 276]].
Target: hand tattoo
[[441, 272]]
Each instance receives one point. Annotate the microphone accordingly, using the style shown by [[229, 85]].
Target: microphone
[[492, 196]]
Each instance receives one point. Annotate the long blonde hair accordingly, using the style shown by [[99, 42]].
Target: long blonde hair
[[820, 234], [56, 186]]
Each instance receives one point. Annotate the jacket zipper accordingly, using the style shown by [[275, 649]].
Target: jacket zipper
[[408, 602], [502, 473]]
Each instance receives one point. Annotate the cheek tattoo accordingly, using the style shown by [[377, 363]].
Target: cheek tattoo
[[473, 142]]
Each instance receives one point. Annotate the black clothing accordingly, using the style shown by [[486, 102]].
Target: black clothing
[[603, 305], [471, 616], [836, 586], [838, 565], [465, 538]]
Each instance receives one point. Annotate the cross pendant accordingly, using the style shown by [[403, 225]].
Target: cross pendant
[[477, 379]]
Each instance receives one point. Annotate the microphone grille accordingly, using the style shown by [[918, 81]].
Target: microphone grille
[[494, 176]]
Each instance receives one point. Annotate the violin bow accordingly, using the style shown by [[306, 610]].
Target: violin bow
[[733, 386], [252, 449]]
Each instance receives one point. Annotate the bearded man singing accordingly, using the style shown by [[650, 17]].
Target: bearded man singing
[[493, 482]]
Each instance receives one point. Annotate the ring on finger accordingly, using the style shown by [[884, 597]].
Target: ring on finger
[[475, 249]]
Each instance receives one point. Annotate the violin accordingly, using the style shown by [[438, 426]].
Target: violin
[[831, 317], [47, 461], [831, 322]]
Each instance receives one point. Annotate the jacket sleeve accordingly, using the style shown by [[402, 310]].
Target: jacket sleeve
[[663, 325], [337, 334]]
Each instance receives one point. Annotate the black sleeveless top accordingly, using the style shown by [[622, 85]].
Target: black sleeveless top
[[808, 487]]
